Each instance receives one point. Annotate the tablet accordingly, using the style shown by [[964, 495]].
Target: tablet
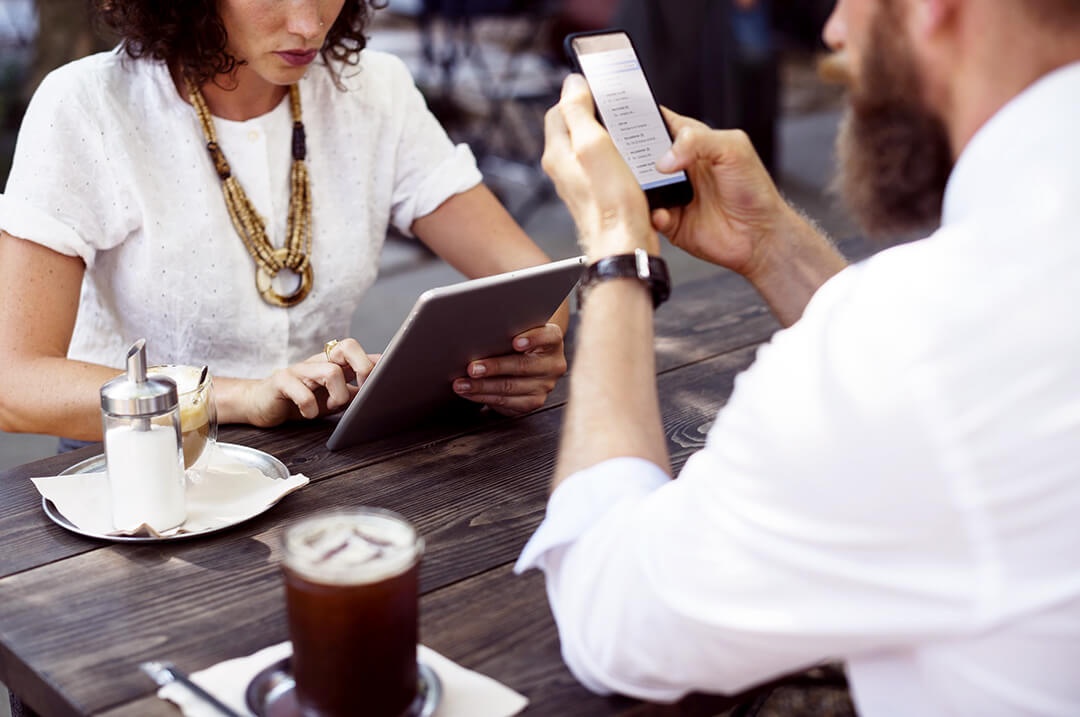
[[447, 328]]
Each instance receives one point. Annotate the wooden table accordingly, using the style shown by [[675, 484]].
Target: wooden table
[[77, 616]]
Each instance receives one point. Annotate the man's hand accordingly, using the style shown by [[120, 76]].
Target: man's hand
[[736, 210], [613, 410], [594, 181], [520, 382], [739, 220], [315, 387]]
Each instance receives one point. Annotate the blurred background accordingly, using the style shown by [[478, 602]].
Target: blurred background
[[489, 70]]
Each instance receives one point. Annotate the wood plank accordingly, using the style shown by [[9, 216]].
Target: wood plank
[[500, 625], [710, 317], [27, 537], [497, 624], [475, 499], [149, 706], [523, 652], [684, 335], [705, 318]]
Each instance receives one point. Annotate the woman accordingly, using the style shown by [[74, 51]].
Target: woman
[[222, 186]]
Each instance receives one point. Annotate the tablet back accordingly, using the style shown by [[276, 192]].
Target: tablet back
[[447, 328]]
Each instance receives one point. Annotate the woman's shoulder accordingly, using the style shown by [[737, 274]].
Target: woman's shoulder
[[111, 67], [89, 81]]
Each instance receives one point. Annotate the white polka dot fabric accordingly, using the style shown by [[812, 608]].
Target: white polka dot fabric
[[111, 166]]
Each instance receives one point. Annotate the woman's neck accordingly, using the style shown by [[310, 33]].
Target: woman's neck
[[239, 96]]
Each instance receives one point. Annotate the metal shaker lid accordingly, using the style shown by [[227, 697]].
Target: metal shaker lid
[[135, 393]]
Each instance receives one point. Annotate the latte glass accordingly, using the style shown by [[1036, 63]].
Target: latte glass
[[198, 414], [351, 594]]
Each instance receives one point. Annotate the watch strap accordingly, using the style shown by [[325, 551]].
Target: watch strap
[[649, 270]]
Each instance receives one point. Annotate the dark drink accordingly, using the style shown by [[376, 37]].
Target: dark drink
[[351, 586]]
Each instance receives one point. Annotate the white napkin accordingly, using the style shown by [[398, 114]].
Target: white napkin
[[220, 491], [464, 693]]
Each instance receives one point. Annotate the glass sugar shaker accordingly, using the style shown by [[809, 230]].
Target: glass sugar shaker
[[144, 458]]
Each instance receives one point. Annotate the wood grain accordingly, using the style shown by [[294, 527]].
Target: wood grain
[[523, 652], [77, 616], [499, 624], [476, 498], [708, 318]]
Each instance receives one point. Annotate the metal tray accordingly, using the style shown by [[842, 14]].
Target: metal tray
[[265, 462], [272, 692]]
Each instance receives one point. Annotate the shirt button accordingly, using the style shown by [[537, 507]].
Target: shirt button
[[253, 136]]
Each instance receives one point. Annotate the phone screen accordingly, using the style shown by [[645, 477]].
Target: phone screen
[[626, 105]]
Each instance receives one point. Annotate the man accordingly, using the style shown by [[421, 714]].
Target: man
[[896, 480]]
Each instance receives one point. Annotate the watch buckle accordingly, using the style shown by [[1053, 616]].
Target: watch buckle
[[641, 258]]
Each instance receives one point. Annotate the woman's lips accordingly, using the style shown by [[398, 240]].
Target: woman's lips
[[297, 58]]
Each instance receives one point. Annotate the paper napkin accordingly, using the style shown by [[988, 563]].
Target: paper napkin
[[220, 491], [464, 693]]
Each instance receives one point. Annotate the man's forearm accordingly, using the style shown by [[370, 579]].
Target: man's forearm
[[794, 264], [614, 410]]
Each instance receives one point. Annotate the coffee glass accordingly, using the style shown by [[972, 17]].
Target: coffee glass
[[351, 595], [198, 413]]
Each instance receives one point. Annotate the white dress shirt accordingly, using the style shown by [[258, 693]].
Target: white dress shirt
[[111, 166], [894, 482]]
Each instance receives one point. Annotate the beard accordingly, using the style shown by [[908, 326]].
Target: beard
[[894, 155]]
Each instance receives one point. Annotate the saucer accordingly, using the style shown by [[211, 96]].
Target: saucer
[[264, 462], [272, 692]]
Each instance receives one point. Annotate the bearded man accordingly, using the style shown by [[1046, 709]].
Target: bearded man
[[895, 482]]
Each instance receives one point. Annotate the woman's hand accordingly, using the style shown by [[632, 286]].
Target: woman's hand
[[594, 181], [520, 382], [315, 387], [736, 211]]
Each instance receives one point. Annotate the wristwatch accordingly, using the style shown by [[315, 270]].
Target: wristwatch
[[649, 270]]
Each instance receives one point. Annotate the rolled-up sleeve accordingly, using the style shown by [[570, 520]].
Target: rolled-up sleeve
[[802, 531], [62, 191], [584, 498], [21, 219], [603, 492]]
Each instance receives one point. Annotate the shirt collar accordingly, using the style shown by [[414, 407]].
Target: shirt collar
[[1014, 154]]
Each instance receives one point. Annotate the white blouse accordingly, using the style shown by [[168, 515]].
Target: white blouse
[[111, 166]]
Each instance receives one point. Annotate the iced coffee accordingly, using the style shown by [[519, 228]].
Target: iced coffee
[[198, 415], [351, 587]]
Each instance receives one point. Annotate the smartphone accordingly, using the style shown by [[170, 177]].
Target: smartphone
[[626, 107]]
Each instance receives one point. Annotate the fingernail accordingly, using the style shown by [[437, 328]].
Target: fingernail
[[477, 369], [521, 343], [462, 386], [574, 83], [667, 162]]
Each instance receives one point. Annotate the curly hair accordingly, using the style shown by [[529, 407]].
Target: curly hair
[[191, 35]]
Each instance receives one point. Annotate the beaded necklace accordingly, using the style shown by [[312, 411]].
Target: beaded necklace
[[294, 255]]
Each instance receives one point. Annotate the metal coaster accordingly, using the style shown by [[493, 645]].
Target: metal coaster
[[272, 692], [270, 466]]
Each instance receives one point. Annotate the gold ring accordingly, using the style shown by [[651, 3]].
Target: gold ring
[[328, 347]]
